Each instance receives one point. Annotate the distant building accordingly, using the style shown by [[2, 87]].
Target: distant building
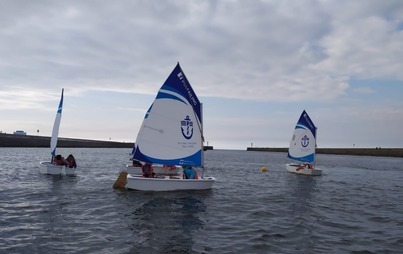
[[20, 133]]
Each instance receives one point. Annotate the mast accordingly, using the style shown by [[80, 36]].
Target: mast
[[202, 139], [314, 151]]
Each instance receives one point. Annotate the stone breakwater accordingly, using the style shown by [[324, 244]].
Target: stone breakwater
[[385, 152], [12, 140]]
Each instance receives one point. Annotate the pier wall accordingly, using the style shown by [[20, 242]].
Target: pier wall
[[12, 140], [385, 152]]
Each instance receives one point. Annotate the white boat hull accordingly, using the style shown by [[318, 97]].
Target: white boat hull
[[49, 168], [158, 169], [168, 183], [295, 168], [69, 171]]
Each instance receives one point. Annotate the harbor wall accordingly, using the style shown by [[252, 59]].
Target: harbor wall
[[13, 140], [385, 152]]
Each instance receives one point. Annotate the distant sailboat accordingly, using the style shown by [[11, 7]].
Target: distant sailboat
[[302, 147], [171, 134], [48, 167]]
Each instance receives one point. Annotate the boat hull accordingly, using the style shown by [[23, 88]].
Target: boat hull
[[168, 183], [157, 169], [294, 168], [49, 168], [69, 171]]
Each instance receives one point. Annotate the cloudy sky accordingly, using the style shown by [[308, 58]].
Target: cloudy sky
[[255, 65]]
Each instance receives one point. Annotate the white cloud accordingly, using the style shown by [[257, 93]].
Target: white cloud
[[234, 45], [267, 51]]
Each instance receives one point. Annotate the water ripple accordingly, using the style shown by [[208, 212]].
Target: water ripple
[[354, 207]]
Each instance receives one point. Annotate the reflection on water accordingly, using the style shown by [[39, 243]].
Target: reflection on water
[[166, 222], [302, 192]]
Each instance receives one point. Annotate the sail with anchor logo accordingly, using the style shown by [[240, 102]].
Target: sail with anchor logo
[[302, 147], [171, 132]]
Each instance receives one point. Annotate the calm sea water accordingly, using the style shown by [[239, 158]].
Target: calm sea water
[[356, 206]]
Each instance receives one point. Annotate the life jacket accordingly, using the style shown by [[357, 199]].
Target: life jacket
[[61, 162], [71, 162], [170, 167], [302, 166], [190, 172]]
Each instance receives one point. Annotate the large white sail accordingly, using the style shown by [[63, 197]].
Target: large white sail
[[171, 132], [303, 142], [55, 131]]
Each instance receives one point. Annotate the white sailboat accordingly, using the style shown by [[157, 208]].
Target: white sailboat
[[171, 134], [48, 167], [302, 148]]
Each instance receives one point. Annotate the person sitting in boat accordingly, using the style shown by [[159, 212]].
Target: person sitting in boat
[[59, 160], [137, 163], [71, 161], [301, 166], [148, 170], [167, 167], [189, 172]]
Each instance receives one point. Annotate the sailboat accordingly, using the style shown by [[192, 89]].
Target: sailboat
[[48, 167], [171, 134], [302, 147]]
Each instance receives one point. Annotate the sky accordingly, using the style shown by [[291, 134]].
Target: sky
[[255, 66]]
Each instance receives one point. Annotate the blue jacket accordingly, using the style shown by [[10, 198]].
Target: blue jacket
[[189, 172]]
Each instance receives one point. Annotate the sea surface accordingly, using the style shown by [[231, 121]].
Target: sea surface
[[356, 206]]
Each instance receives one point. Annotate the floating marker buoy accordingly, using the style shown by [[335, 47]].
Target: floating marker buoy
[[264, 169]]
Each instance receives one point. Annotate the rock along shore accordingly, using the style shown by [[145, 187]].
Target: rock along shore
[[385, 152]]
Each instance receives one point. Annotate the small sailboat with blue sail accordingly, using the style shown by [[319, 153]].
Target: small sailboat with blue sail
[[171, 134], [302, 147], [50, 167]]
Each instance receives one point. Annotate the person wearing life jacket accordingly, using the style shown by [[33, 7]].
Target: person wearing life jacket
[[166, 167], [71, 161], [60, 161], [301, 166], [189, 173], [148, 170]]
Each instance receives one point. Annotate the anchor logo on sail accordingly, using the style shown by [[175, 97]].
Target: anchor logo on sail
[[187, 127], [304, 141]]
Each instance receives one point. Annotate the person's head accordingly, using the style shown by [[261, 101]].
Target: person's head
[[58, 157]]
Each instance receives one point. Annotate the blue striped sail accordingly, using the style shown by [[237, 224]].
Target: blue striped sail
[[303, 142], [171, 132], [55, 131]]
